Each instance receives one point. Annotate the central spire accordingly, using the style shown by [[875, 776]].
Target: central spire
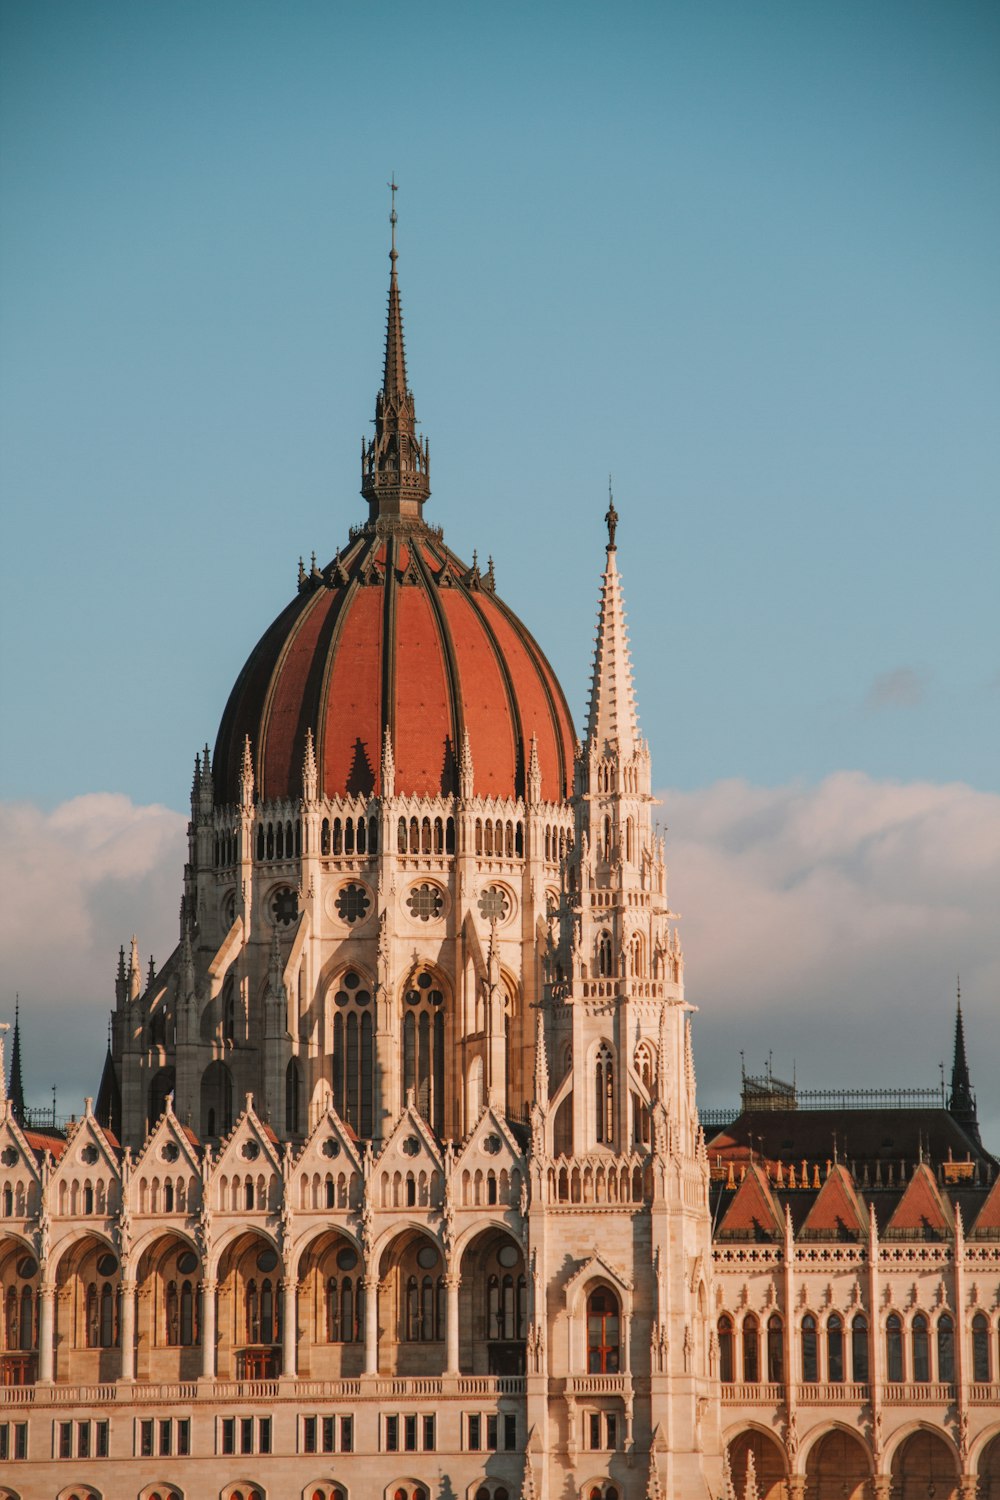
[[395, 465], [612, 722]]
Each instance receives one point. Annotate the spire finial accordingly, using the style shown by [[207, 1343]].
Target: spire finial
[[611, 518], [961, 1100], [393, 187]]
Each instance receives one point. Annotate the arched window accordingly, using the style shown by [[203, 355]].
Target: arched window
[[423, 1047], [835, 1349], [604, 954], [603, 1333], [775, 1350], [946, 1349], [980, 1349], [187, 1325], [725, 1331], [172, 1311], [921, 1350], [353, 1060], [293, 1102], [108, 1339], [810, 1359], [894, 1348], [401, 837], [604, 1097], [859, 1348], [27, 1330], [751, 1349], [252, 1330]]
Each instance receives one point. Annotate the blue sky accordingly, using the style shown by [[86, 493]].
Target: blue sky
[[742, 256]]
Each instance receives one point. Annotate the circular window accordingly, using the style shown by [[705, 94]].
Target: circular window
[[507, 1255], [411, 1145], [427, 1256], [425, 902], [423, 988], [89, 1155], [494, 903], [171, 1151], [107, 1264], [492, 1144], [284, 906], [331, 1148], [8, 1156], [267, 1260], [251, 1150], [27, 1266], [353, 903], [350, 989], [347, 1258], [187, 1262]]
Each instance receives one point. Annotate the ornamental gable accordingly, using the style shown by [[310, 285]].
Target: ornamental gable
[[837, 1213], [246, 1175], [922, 1211], [21, 1177], [489, 1168], [87, 1177], [410, 1166], [166, 1177], [328, 1169]]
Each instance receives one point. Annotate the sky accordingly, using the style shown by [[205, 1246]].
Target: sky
[[741, 257]]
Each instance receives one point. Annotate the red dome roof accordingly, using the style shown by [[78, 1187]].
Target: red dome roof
[[398, 632]]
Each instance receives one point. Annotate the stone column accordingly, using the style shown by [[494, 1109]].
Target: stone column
[[968, 1487], [796, 1487], [46, 1331], [289, 1326], [208, 1290], [881, 1486], [371, 1325], [452, 1283], [126, 1330]]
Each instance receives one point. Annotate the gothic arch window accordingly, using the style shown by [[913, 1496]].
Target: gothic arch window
[[980, 1349], [920, 1343], [629, 839], [810, 1350], [604, 1096], [604, 961], [859, 1348], [401, 836], [835, 1349], [775, 1350], [946, 1349], [423, 1046], [345, 1309], [637, 961], [603, 1332], [751, 1349], [894, 1349], [606, 840], [352, 1061], [640, 1109], [725, 1335], [293, 1098]]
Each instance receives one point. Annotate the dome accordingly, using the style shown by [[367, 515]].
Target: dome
[[399, 634]]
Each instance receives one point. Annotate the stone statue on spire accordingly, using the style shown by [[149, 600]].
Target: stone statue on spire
[[611, 518]]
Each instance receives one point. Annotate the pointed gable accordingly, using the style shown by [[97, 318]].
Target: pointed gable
[[489, 1168], [837, 1213], [987, 1224], [166, 1177], [20, 1166], [328, 1169], [754, 1213], [248, 1167], [922, 1212], [88, 1166], [410, 1165]]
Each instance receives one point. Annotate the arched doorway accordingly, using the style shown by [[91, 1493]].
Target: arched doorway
[[331, 1309], [19, 1281], [493, 1306], [249, 1310], [769, 1463], [168, 1311], [923, 1466], [989, 1471], [837, 1468], [412, 1307]]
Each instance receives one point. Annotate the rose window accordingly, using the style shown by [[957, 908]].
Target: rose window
[[284, 906], [353, 903], [494, 903], [425, 901]]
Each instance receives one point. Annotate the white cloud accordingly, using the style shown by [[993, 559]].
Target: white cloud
[[827, 924], [76, 883], [824, 923]]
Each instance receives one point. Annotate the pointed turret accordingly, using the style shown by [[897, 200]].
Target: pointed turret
[[612, 722], [395, 465], [246, 776], [541, 1063], [108, 1109], [388, 766], [15, 1090], [134, 971], [309, 771], [961, 1100], [466, 774]]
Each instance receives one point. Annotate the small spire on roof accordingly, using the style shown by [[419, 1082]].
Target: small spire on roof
[[611, 518], [15, 1091]]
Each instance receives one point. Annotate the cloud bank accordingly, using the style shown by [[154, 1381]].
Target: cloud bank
[[822, 923]]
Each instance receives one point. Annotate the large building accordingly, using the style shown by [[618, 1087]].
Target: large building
[[395, 1187]]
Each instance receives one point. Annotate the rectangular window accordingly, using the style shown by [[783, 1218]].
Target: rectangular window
[[103, 1433], [21, 1438], [510, 1432], [491, 1432], [329, 1439], [428, 1434], [392, 1434], [264, 1435], [309, 1435], [410, 1434], [4, 1442], [145, 1439], [83, 1439], [65, 1439], [611, 1425], [229, 1434], [594, 1430], [474, 1440], [165, 1436], [347, 1434], [246, 1434], [184, 1436]]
